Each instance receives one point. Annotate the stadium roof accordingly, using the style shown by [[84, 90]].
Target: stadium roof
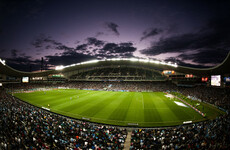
[[221, 69]]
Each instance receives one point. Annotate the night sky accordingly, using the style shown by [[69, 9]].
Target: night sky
[[190, 33]]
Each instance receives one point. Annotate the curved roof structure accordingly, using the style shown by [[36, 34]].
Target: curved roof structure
[[221, 69]]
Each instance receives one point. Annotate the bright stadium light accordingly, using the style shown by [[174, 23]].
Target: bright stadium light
[[125, 59], [3, 61], [163, 63], [144, 60], [114, 59], [154, 61], [133, 59], [174, 65], [59, 67], [91, 61], [72, 65]]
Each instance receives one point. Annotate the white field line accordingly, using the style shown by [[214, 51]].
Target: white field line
[[180, 104], [201, 113], [143, 101]]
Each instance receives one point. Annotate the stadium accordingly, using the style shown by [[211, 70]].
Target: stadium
[[116, 103]]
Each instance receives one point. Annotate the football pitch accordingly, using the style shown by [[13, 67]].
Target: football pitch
[[142, 109]]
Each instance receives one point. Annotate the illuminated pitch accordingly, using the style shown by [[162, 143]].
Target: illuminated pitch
[[142, 109]]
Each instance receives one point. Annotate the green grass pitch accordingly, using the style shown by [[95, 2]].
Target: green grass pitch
[[144, 109]]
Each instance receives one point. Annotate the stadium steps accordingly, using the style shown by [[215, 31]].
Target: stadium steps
[[127, 141]]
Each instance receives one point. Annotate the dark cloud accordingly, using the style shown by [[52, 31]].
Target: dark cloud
[[14, 53], [113, 27], [48, 47], [40, 40], [110, 47], [151, 32], [179, 43], [111, 50], [93, 48], [206, 56], [65, 48], [94, 41], [97, 34], [22, 62], [49, 40], [77, 42], [82, 47], [91, 41], [102, 49], [203, 46], [68, 58], [43, 42], [182, 63], [119, 48]]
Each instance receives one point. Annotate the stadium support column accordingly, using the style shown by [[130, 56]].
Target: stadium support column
[[42, 61]]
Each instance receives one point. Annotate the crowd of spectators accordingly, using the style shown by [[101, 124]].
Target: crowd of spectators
[[23, 126], [119, 74], [96, 85], [210, 135], [217, 96]]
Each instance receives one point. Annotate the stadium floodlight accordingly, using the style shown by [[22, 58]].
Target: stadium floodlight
[[91, 61], [144, 60], [151, 61], [175, 65], [163, 63], [59, 67], [114, 59], [125, 59], [154, 61], [141, 60], [3, 61], [72, 65], [133, 59]]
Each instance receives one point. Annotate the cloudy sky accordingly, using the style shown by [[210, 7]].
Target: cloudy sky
[[190, 33]]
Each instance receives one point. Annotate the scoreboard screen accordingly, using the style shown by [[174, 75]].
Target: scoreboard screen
[[215, 80], [25, 79]]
